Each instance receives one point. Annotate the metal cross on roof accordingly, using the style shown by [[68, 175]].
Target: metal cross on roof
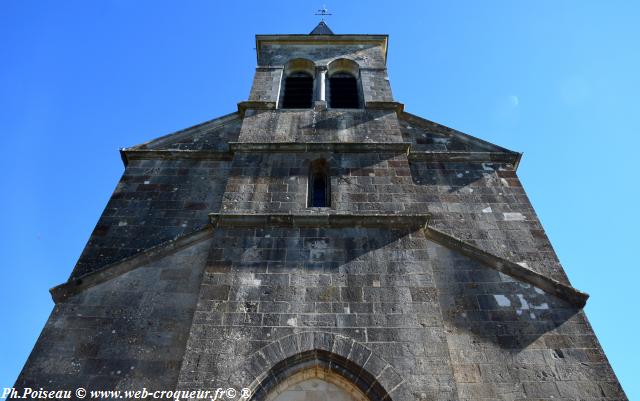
[[323, 12]]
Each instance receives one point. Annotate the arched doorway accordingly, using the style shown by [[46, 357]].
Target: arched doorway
[[316, 384], [309, 375]]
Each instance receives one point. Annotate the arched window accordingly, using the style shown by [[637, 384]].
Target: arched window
[[319, 190], [343, 85], [343, 88], [298, 91]]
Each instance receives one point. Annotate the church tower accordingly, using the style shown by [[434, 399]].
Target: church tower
[[320, 243]]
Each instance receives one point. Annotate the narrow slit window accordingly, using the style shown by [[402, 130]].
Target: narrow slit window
[[344, 91], [319, 185], [298, 91]]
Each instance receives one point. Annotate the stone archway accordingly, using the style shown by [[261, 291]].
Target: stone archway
[[330, 370], [338, 360]]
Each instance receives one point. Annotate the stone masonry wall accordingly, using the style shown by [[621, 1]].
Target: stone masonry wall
[[266, 85], [127, 333], [359, 126], [374, 286], [511, 341], [484, 204], [375, 85], [481, 203], [449, 327], [277, 182], [155, 201]]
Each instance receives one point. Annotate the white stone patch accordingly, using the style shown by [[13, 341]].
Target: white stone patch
[[523, 264], [376, 283], [538, 290], [513, 216], [459, 175], [122, 223], [502, 300], [487, 167], [292, 322], [532, 315], [487, 210], [250, 280], [524, 305], [504, 182], [347, 309], [542, 306], [147, 182]]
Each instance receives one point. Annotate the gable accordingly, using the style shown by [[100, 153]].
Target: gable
[[213, 135], [425, 135]]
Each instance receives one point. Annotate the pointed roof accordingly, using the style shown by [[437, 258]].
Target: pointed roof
[[321, 29]]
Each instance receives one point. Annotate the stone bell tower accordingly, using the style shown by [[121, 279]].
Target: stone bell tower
[[320, 243]]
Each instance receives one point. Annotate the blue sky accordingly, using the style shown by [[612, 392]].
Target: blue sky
[[557, 80]]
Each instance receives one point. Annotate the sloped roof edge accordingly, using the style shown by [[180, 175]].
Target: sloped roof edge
[[74, 286], [459, 134], [549, 285], [225, 119]]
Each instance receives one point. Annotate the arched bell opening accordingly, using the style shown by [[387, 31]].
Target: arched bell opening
[[298, 84], [344, 84]]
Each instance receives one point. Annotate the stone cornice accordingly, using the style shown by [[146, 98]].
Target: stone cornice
[[340, 147], [378, 105], [318, 219], [448, 156], [255, 105], [315, 40], [146, 154], [128, 154]]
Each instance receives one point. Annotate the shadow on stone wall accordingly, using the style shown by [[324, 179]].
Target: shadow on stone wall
[[319, 250], [335, 120], [487, 304]]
